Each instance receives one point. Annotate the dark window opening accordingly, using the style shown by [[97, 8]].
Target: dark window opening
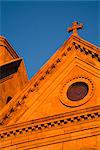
[[77, 91], [8, 99]]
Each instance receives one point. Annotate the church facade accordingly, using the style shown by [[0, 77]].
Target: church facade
[[59, 108]]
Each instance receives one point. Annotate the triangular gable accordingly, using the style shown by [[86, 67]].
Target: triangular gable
[[22, 103]]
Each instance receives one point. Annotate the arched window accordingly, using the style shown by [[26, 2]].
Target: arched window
[[8, 99]]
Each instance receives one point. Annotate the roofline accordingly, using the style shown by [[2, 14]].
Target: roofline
[[4, 43], [86, 43]]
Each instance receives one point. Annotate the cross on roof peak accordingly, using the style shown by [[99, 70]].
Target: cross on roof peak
[[75, 27]]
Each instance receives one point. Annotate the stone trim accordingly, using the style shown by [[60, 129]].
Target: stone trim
[[43, 124], [86, 43], [5, 43], [68, 82], [86, 51]]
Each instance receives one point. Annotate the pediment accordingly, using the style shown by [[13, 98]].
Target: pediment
[[76, 60], [54, 94]]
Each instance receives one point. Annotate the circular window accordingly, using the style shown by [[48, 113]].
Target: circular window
[[77, 91]]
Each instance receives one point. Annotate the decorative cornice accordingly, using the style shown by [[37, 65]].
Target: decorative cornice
[[86, 43], [86, 51], [61, 120]]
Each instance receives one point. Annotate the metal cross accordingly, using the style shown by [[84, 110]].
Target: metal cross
[[75, 27]]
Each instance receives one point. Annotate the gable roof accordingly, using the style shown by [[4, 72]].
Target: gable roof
[[8, 47], [19, 100]]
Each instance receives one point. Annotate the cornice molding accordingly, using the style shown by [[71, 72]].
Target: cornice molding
[[87, 44], [87, 51], [51, 122]]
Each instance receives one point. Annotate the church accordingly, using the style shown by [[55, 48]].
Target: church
[[59, 107]]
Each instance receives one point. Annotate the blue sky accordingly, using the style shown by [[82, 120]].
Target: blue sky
[[36, 29]]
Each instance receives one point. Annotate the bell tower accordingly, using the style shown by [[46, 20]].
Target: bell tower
[[13, 76]]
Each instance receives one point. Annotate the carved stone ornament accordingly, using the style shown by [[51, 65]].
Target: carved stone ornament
[[76, 91]]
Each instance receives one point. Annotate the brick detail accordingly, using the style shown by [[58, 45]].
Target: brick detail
[[48, 125], [86, 51]]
